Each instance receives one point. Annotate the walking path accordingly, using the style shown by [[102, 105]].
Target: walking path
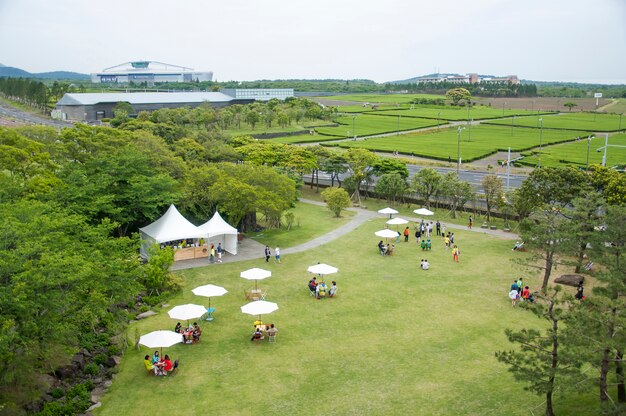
[[248, 248]]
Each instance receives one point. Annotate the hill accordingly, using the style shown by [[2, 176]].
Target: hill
[[9, 71]]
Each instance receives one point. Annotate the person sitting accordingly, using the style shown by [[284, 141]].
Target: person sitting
[[257, 335], [518, 246], [155, 358], [333, 290], [147, 362], [312, 284], [196, 332], [429, 246], [390, 250], [321, 293], [258, 324], [179, 328], [381, 247], [167, 365], [271, 331], [425, 265], [188, 335]]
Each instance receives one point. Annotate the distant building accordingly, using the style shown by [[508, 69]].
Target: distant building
[[467, 79], [149, 72], [96, 106]]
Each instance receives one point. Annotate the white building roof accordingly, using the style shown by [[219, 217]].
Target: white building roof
[[217, 226], [143, 98], [172, 226]]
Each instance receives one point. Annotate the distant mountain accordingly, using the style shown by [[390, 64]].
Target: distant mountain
[[9, 71]]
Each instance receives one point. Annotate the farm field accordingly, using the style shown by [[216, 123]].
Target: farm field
[[574, 121], [367, 125], [575, 153], [442, 144], [392, 341], [365, 109], [455, 113], [617, 105], [303, 138], [380, 98]]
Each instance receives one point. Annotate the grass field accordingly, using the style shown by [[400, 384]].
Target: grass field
[[367, 125], [455, 113], [575, 153], [304, 138], [617, 105], [361, 109], [573, 121], [396, 340], [442, 144], [380, 98]]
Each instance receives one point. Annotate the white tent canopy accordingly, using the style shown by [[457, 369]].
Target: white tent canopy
[[219, 231], [170, 227]]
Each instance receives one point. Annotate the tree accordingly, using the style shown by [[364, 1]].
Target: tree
[[569, 105], [494, 192], [585, 216], [390, 165], [360, 162], [335, 164], [553, 186], [458, 94], [611, 183], [427, 183], [336, 199], [457, 191], [391, 185], [541, 362]]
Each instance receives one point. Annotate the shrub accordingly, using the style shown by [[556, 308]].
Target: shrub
[[92, 369]]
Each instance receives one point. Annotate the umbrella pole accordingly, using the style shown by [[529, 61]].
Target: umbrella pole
[[209, 302]]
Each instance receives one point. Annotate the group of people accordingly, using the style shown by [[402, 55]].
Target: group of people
[[424, 264], [190, 334], [320, 289], [386, 250], [160, 366], [268, 254], [260, 330], [219, 250], [426, 245], [519, 291]]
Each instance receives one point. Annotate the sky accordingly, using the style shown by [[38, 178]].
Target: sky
[[381, 40]]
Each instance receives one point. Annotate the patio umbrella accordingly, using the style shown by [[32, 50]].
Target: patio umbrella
[[186, 312], [386, 233], [423, 211], [160, 339], [322, 269], [259, 307], [387, 210], [255, 274], [209, 291], [397, 221]]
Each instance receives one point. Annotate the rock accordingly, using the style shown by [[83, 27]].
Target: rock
[[47, 398], [95, 406], [145, 315], [66, 372], [569, 279], [47, 381], [96, 394], [78, 360], [107, 384], [97, 380], [113, 361]]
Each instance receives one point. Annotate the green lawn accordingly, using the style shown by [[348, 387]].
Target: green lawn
[[310, 221], [575, 153], [455, 113], [260, 128], [573, 121], [362, 109], [302, 138], [396, 340], [484, 140], [367, 125], [380, 98], [618, 105]]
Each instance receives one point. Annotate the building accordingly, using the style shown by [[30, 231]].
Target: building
[[149, 72], [96, 106], [467, 79]]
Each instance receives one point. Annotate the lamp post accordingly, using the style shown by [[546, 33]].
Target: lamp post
[[588, 146], [458, 149], [605, 147], [540, 139]]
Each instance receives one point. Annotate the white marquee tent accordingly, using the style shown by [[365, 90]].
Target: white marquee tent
[[170, 227], [219, 231]]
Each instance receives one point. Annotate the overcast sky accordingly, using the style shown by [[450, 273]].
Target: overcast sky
[[548, 40]]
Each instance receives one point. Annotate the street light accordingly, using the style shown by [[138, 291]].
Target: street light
[[458, 149], [540, 138], [605, 147], [588, 145]]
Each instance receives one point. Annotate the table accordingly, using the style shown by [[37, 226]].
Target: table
[[209, 314]]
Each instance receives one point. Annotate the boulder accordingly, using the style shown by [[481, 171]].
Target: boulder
[[66, 372], [569, 279], [95, 406], [96, 394], [78, 360], [145, 315], [113, 361]]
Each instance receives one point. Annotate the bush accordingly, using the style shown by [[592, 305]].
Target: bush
[[100, 359], [92, 369], [57, 392]]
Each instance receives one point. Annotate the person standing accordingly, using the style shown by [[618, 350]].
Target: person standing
[[220, 250], [406, 235], [579, 291], [438, 226], [268, 253], [277, 253], [212, 254], [470, 222], [455, 253]]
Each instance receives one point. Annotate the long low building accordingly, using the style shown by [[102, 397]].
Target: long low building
[[150, 73], [97, 106]]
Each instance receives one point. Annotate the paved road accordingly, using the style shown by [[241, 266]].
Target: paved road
[[12, 112]]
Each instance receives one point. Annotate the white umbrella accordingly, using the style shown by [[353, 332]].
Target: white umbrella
[[160, 339], [259, 307], [397, 221], [322, 269], [423, 211], [386, 233], [209, 291], [186, 312], [255, 274], [387, 210]]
